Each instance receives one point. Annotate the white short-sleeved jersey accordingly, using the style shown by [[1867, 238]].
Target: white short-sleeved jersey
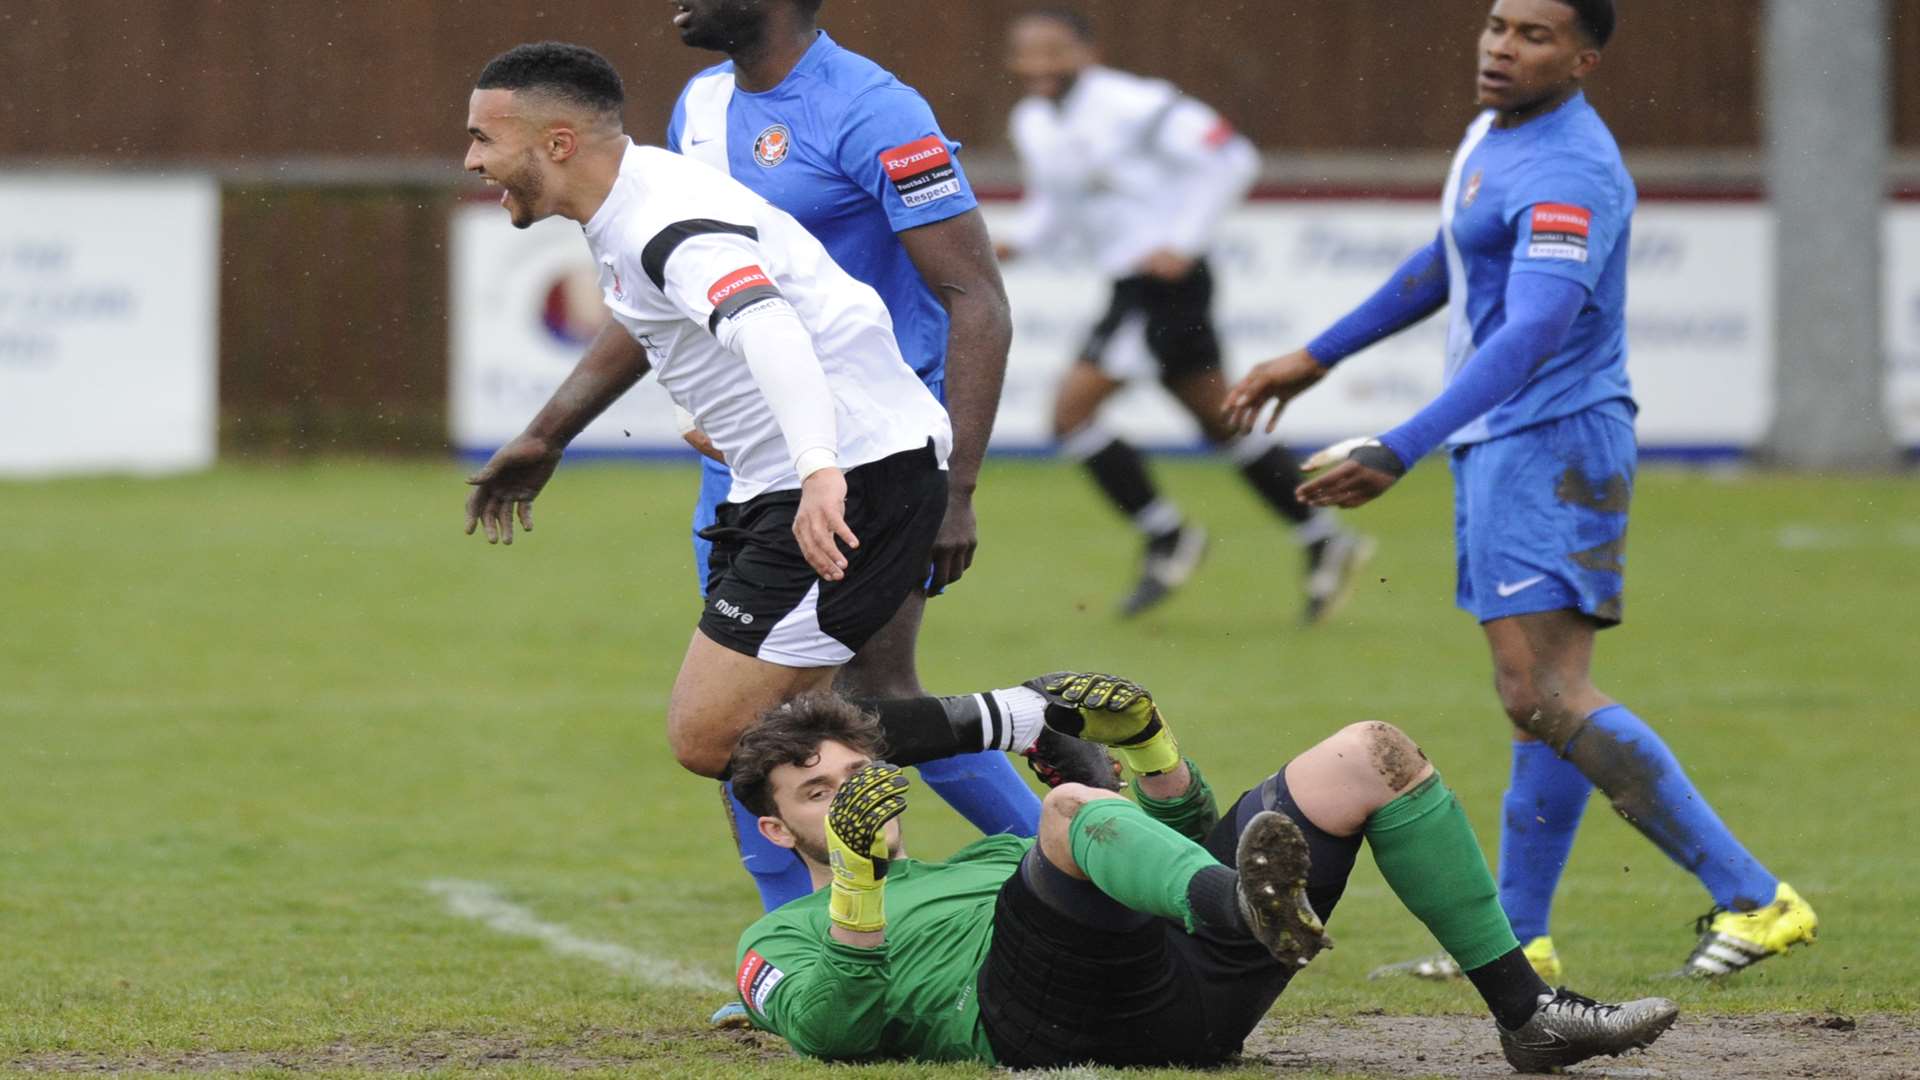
[[687, 255], [1124, 166]]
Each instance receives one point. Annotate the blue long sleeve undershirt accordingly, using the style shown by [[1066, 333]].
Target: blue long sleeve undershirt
[[1540, 309], [1416, 290]]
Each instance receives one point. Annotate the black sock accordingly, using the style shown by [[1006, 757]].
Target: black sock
[[1122, 475], [1510, 987], [928, 728], [1275, 475], [1214, 897]]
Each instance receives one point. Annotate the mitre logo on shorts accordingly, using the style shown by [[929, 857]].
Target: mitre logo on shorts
[[922, 171], [771, 147], [1560, 232], [734, 612], [757, 980], [738, 281]]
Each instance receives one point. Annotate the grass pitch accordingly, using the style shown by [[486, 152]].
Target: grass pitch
[[248, 720]]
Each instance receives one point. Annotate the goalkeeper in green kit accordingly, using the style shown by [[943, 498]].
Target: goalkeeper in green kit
[[1147, 932]]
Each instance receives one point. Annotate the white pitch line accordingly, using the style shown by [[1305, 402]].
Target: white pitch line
[[483, 903]]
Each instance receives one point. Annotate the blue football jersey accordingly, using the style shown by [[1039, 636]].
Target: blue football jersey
[[1550, 196], [856, 156]]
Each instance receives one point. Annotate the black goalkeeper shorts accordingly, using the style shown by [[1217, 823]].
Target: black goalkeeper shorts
[[1118, 988], [764, 600]]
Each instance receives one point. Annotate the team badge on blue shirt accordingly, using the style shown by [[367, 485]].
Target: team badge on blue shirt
[[771, 147]]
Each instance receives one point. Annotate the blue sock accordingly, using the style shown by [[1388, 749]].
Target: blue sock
[[778, 872], [987, 790], [1653, 793], [1545, 797]]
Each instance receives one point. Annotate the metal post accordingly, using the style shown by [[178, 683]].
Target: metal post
[[1827, 127]]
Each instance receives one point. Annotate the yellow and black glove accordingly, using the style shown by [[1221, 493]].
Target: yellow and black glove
[[1113, 712], [857, 845]]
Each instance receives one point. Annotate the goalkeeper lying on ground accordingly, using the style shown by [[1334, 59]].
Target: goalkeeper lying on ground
[[1155, 933]]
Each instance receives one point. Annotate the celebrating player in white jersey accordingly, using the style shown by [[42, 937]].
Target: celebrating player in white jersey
[[837, 450], [1138, 176]]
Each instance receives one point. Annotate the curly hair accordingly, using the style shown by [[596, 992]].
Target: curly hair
[[791, 734]]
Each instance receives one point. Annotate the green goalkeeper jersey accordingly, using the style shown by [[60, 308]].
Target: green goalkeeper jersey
[[915, 996]]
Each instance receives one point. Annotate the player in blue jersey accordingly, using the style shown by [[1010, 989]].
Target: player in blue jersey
[[1531, 263], [858, 158]]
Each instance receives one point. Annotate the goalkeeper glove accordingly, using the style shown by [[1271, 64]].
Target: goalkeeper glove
[[857, 845], [1113, 712]]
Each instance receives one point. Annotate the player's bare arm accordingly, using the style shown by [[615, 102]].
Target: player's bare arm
[[507, 484], [956, 259], [1279, 381]]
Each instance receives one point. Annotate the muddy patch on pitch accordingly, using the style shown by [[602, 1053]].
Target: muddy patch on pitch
[[1697, 1048]]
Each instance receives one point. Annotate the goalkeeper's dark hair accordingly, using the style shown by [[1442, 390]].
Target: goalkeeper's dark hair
[[1073, 19], [1596, 19], [791, 734], [573, 73]]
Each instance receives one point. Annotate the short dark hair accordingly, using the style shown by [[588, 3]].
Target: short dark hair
[[1596, 19], [791, 734], [573, 73], [809, 8], [1073, 19]]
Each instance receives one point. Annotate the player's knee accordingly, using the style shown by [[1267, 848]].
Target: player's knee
[[1065, 801], [1390, 753], [1552, 720], [697, 752], [1518, 698]]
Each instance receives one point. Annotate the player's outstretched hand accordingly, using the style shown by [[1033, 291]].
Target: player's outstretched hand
[[857, 849], [1359, 470], [954, 545], [821, 520], [507, 484], [1279, 380]]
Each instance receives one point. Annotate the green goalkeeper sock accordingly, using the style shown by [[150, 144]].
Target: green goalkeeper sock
[[1428, 854], [1136, 860], [1192, 813]]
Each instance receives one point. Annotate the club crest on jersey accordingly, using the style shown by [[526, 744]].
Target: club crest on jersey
[[1472, 191], [1560, 231], [922, 171], [771, 147]]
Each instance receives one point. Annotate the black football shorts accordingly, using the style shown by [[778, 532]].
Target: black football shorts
[[1157, 329], [765, 601]]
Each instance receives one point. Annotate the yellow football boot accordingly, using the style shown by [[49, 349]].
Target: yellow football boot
[[1733, 941], [1545, 961]]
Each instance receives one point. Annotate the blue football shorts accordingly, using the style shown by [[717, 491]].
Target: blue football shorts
[[1540, 517]]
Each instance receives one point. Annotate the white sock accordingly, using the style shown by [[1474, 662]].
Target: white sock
[[1011, 719]]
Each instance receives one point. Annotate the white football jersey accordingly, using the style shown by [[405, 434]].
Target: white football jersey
[[685, 254], [1124, 166]]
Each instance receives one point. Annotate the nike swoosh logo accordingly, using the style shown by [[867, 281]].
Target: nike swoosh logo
[[1551, 1040], [1506, 590], [702, 142]]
